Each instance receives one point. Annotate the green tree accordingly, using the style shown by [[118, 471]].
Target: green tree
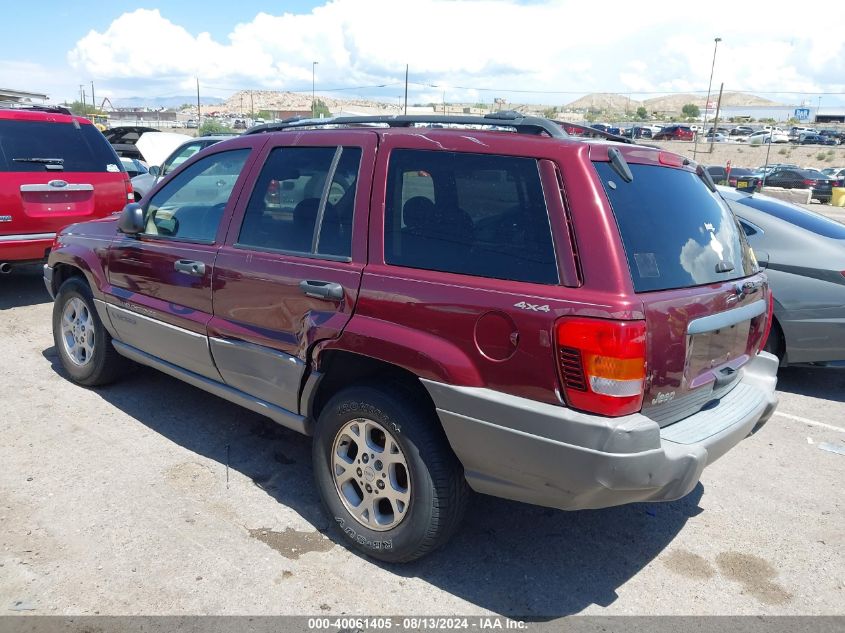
[[550, 113], [691, 111], [321, 109], [265, 114], [211, 126], [642, 113]]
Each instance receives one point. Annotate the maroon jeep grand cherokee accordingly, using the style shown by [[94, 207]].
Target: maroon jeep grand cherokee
[[491, 305]]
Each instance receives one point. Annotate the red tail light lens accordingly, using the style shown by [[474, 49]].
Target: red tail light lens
[[130, 193], [602, 364], [809, 182]]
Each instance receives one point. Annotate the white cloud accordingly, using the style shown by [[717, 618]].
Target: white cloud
[[499, 44]]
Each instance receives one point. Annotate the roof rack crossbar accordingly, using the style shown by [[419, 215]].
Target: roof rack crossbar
[[13, 105], [514, 120]]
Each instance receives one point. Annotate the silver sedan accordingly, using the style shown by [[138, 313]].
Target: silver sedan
[[804, 256]]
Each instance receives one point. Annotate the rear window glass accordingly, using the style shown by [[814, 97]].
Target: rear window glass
[[676, 232], [807, 220], [470, 214], [82, 149]]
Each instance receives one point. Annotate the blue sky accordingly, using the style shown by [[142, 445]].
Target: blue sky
[[465, 50]]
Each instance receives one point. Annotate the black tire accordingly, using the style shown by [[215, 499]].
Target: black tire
[[105, 365], [437, 488]]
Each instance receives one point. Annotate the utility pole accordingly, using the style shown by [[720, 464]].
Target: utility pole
[[199, 108], [313, 86], [716, 120], [706, 103], [406, 88], [251, 107], [93, 101], [82, 97]]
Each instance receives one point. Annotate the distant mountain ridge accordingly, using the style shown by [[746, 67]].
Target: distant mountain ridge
[[163, 102], [669, 103]]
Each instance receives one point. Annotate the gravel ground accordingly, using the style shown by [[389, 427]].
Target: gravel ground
[[119, 501]]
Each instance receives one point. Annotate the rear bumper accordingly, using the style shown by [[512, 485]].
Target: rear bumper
[[28, 247], [553, 456]]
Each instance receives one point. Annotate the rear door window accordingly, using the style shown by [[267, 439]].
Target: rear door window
[[471, 214], [80, 149], [675, 231]]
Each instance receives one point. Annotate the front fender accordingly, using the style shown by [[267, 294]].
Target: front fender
[[88, 262]]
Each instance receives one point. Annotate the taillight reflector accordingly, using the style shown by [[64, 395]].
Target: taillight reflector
[[130, 193], [602, 364]]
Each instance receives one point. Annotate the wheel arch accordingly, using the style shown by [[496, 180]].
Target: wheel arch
[[339, 368]]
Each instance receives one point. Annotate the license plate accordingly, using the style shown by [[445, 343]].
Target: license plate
[[741, 185]]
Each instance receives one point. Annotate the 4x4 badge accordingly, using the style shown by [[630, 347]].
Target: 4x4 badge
[[530, 306]]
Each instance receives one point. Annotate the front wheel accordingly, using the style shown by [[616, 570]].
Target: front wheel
[[386, 473], [83, 344]]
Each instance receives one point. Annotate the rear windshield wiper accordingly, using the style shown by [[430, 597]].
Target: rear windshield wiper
[[49, 163]]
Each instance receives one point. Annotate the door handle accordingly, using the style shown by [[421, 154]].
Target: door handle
[[189, 267], [321, 289]]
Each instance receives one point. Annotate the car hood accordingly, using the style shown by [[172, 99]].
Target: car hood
[[156, 146]]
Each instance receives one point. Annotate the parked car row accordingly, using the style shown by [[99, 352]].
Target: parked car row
[[787, 176]]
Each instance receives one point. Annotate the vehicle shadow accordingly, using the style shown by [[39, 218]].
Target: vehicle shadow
[[24, 286], [827, 383], [510, 558]]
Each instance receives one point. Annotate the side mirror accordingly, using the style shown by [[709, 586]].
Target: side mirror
[[155, 171], [132, 219]]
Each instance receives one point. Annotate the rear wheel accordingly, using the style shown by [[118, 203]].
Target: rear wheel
[[386, 473], [83, 344]]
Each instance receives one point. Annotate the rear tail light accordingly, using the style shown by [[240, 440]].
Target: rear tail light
[[130, 194], [809, 182], [602, 364]]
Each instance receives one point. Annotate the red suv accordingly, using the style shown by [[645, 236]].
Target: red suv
[[491, 305], [675, 133], [55, 169]]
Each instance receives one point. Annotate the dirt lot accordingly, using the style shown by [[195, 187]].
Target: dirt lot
[[751, 157], [119, 501]]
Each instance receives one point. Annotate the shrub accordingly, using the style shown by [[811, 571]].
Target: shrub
[[210, 126]]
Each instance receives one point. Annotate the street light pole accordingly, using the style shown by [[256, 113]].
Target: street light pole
[[313, 85], [706, 103]]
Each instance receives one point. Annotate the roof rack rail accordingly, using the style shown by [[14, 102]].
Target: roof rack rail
[[506, 119], [13, 105], [596, 133]]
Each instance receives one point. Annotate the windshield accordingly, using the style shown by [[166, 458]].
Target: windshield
[[676, 232]]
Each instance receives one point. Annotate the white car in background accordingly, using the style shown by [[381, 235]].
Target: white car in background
[[179, 151], [767, 136]]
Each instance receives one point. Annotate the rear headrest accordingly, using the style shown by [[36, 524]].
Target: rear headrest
[[417, 212]]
